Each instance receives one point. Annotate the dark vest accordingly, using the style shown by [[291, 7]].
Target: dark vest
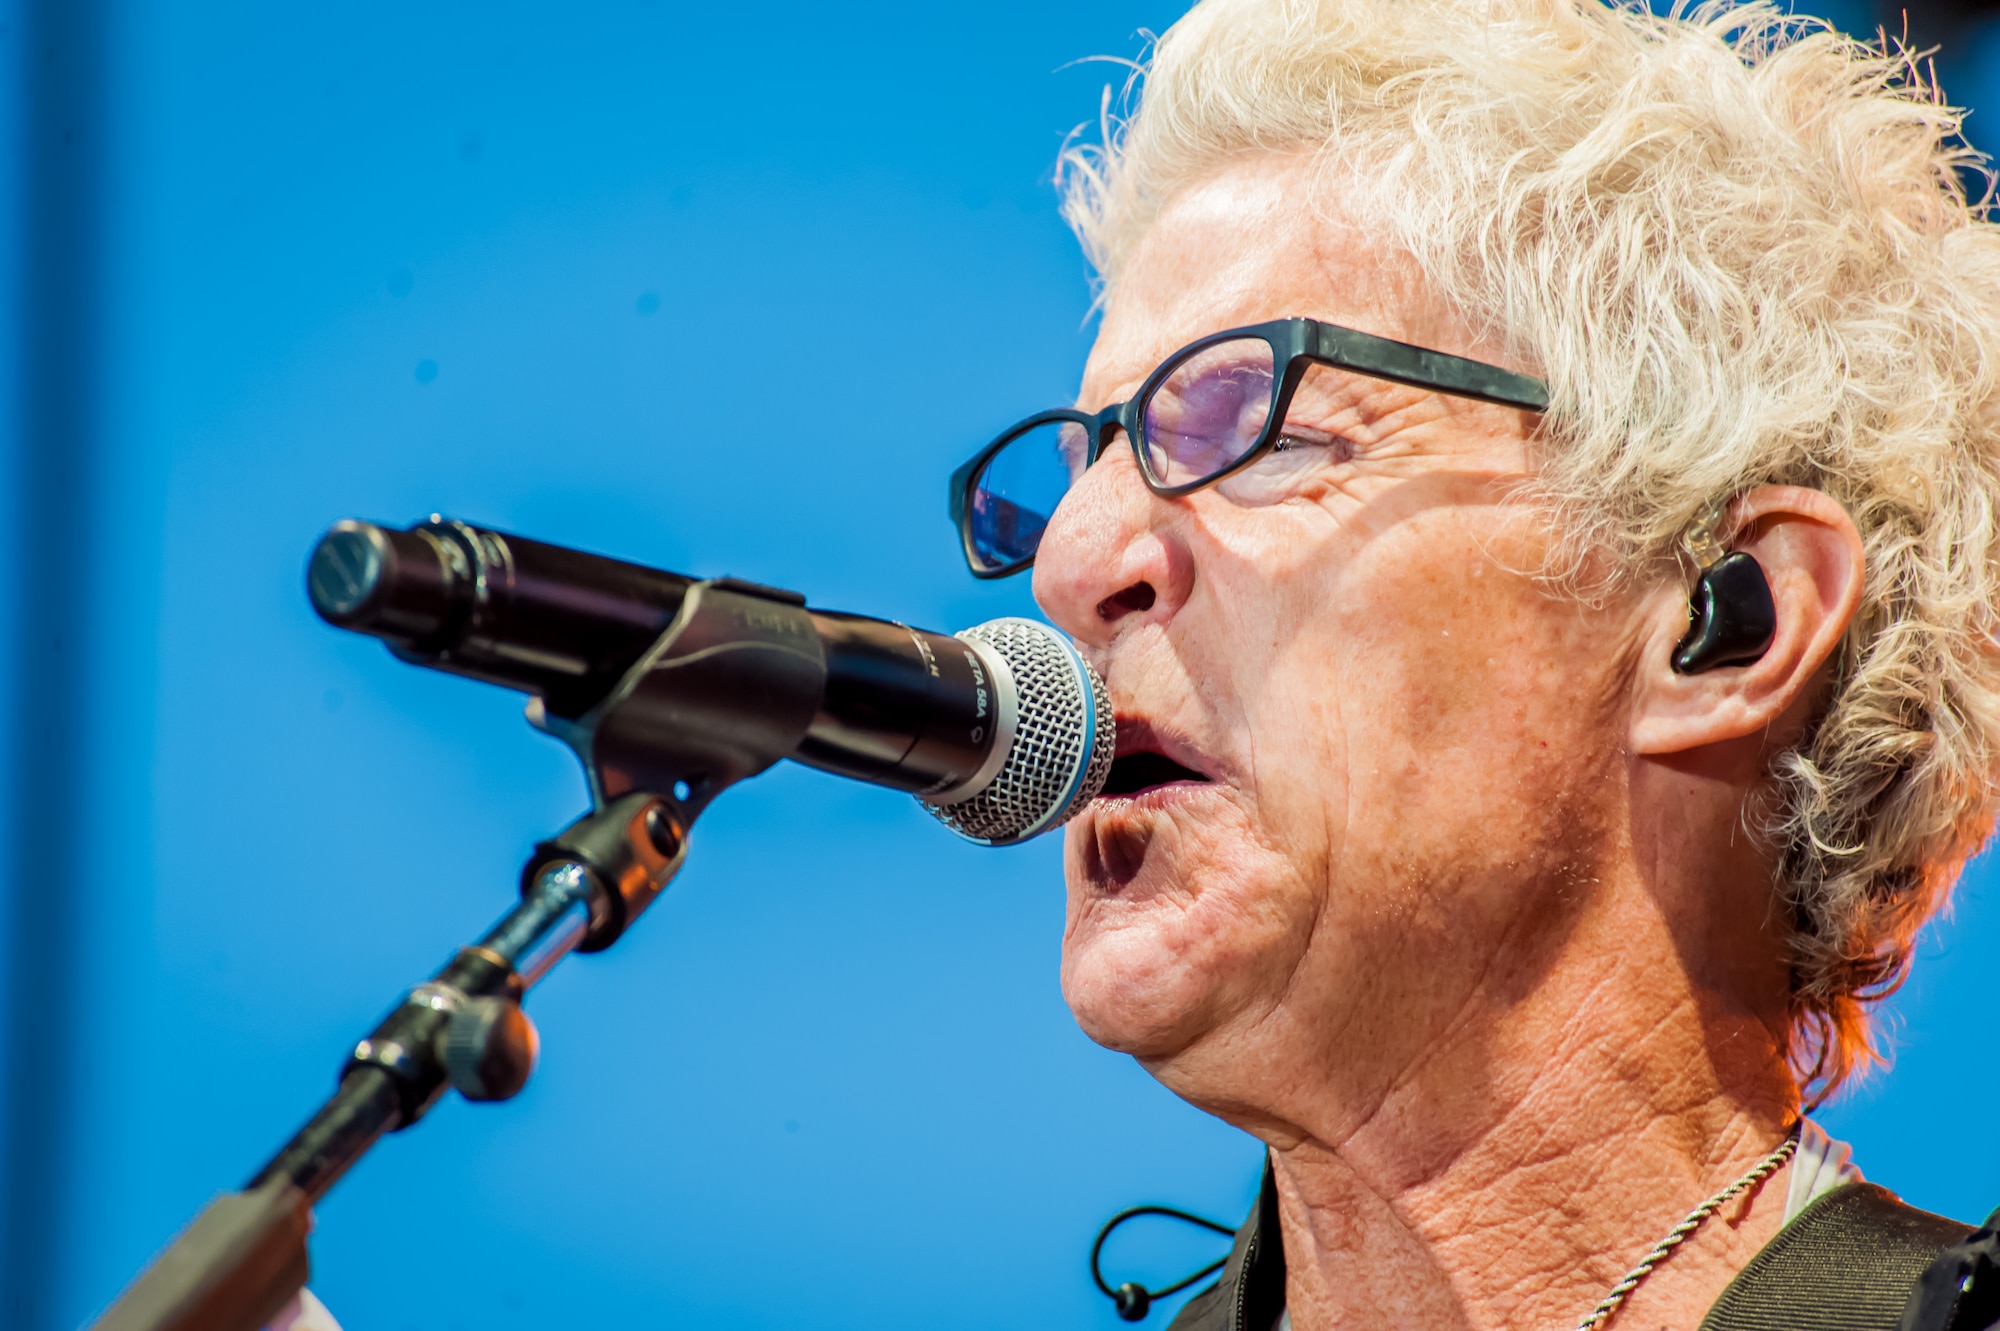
[[1851, 1261]]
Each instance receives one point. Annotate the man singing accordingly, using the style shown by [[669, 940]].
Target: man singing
[[1533, 500]]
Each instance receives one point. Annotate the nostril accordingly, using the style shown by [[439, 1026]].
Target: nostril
[[1132, 600]]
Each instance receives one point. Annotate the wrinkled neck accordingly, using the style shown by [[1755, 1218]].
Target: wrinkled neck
[[1526, 1158]]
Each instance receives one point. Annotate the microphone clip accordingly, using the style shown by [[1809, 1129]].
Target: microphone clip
[[727, 690]]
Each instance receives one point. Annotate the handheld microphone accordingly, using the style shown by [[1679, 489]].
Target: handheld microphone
[[1002, 732]]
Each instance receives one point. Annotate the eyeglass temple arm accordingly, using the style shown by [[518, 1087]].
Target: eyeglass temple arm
[[1384, 358]]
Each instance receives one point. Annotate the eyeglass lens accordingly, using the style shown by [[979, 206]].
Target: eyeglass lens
[[1199, 421], [1209, 411], [1019, 489]]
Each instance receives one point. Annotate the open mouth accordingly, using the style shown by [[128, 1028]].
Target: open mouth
[[1132, 773]]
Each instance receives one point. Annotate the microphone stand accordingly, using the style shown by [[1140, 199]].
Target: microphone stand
[[727, 690]]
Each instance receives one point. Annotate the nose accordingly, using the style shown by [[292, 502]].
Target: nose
[[1113, 556]]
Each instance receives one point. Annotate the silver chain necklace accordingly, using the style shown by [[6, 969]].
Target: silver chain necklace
[[1763, 1169]]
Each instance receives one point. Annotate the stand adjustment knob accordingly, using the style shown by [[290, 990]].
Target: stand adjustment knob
[[490, 1048]]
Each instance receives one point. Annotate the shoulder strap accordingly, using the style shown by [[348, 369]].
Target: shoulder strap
[[1251, 1293], [1961, 1290], [1845, 1263]]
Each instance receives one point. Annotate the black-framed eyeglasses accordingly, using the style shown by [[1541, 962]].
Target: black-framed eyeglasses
[[1210, 409]]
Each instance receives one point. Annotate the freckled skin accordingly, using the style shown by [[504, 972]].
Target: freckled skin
[[1460, 929]]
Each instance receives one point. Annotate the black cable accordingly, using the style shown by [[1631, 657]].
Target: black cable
[[1134, 1300]]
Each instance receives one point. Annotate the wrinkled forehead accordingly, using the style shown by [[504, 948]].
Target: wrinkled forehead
[[1267, 236]]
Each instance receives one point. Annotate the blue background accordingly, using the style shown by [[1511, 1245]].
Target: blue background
[[718, 288]]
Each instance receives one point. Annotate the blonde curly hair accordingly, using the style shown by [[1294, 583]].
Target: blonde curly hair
[[1740, 247]]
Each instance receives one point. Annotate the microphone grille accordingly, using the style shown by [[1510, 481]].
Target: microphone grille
[[1064, 738]]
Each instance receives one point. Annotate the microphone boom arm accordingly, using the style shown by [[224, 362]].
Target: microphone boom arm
[[730, 687]]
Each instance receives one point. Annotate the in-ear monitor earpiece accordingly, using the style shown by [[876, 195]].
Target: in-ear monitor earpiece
[[1732, 617]]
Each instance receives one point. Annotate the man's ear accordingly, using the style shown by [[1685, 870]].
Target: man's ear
[[1811, 555]]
